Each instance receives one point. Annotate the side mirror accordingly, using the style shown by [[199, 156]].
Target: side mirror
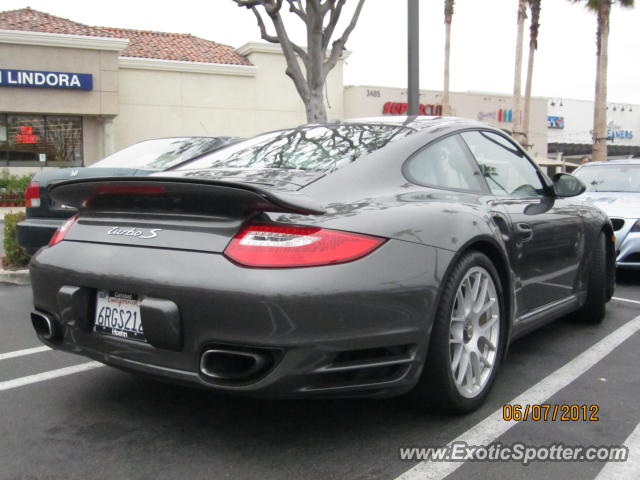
[[565, 185]]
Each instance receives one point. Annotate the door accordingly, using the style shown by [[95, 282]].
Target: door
[[546, 233]]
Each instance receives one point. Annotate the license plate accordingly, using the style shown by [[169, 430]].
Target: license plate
[[118, 314]]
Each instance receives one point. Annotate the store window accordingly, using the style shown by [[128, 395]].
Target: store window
[[40, 139]]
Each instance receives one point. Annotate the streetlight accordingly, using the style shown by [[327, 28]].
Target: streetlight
[[414, 58]]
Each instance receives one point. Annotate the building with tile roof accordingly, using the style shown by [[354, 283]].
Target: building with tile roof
[[71, 93]]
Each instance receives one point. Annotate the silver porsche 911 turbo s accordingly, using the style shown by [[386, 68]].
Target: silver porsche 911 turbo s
[[371, 257]]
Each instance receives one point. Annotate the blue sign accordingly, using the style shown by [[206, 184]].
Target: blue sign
[[34, 79], [555, 122], [623, 134]]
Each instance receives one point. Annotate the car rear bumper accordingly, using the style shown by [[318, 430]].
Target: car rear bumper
[[359, 328], [35, 233]]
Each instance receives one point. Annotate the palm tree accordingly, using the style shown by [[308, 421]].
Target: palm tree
[[603, 10], [448, 17], [517, 82], [534, 7]]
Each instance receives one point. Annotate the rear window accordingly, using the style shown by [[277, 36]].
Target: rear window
[[314, 148], [161, 153]]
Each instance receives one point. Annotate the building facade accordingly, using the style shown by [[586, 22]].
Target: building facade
[[496, 109], [570, 128], [71, 93]]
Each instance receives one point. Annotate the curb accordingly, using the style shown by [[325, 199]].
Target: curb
[[16, 277]]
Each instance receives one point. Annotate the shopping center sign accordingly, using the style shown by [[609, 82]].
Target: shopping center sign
[[36, 79]]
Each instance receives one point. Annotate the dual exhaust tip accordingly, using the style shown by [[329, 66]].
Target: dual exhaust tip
[[45, 326], [228, 365]]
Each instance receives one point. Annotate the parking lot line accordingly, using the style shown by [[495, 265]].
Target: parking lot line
[[41, 377], [26, 351], [626, 300], [489, 429], [628, 469]]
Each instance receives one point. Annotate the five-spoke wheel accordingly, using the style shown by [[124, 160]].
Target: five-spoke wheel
[[474, 331], [466, 340]]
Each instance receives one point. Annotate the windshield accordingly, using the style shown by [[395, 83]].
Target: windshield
[[314, 148], [161, 153], [610, 178]]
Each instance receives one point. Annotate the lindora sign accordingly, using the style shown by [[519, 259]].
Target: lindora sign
[[36, 79]]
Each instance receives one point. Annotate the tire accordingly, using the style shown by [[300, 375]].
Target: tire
[[475, 337], [593, 309]]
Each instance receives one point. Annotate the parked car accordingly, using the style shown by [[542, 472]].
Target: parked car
[[143, 158], [614, 186], [364, 258]]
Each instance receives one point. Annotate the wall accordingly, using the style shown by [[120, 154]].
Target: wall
[[243, 102], [578, 121], [102, 100], [369, 101]]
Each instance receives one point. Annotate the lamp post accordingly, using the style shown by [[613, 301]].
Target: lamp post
[[414, 58]]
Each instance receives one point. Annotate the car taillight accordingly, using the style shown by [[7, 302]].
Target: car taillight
[[280, 246], [61, 232], [32, 195], [130, 189]]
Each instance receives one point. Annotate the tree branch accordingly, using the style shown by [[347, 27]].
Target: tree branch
[[248, 3], [336, 9], [290, 49], [263, 28], [296, 7], [338, 46]]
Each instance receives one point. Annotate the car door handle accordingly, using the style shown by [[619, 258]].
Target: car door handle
[[524, 231]]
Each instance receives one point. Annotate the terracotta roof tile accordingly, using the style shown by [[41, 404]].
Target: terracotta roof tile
[[142, 44]]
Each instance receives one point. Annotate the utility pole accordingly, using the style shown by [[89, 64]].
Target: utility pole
[[413, 89]]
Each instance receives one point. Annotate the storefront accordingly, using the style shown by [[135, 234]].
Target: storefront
[[25, 139], [71, 93], [369, 101], [570, 128]]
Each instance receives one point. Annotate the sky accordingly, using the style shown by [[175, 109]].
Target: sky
[[482, 45]]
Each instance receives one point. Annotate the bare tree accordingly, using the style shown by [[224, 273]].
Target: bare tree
[[534, 7], [603, 11], [448, 17], [517, 81], [320, 55]]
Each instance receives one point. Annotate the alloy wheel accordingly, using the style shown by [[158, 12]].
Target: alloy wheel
[[474, 332]]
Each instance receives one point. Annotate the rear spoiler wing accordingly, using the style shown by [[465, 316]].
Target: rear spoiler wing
[[177, 194]]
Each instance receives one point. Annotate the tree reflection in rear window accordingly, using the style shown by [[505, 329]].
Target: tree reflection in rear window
[[313, 148]]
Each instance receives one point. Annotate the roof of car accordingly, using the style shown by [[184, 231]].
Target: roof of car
[[622, 161], [418, 122]]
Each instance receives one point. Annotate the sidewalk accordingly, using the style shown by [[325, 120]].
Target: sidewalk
[[16, 277], [5, 210]]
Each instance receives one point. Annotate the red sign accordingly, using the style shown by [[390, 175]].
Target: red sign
[[25, 135], [399, 108]]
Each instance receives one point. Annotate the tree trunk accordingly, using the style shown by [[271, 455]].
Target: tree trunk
[[314, 106], [533, 45], [517, 82], [446, 108], [599, 150]]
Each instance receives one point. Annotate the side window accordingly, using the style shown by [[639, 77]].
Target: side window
[[444, 164], [506, 171]]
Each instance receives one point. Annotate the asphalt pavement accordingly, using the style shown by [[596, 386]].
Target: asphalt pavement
[[102, 423]]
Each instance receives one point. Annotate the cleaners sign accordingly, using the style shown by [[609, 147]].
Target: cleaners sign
[[34, 79]]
